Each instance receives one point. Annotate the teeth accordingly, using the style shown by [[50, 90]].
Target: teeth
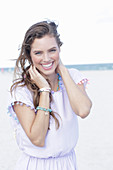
[[47, 65]]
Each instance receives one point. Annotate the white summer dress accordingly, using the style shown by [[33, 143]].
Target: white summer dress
[[58, 152]]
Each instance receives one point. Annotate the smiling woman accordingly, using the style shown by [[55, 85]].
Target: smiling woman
[[45, 54], [45, 102]]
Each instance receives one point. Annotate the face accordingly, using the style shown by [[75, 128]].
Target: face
[[45, 54]]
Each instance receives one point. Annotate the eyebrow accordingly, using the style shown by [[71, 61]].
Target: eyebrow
[[52, 48], [36, 50]]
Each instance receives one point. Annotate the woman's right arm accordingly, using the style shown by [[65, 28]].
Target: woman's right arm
[[35, 125]]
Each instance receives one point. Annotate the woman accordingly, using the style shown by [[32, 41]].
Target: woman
[[45, 102]]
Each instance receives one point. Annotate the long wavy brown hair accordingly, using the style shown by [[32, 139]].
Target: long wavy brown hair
[[23, 63]]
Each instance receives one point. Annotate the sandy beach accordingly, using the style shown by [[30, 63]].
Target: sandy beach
[[95, 145]]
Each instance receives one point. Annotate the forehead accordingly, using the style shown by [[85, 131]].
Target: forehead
[[44, 42]]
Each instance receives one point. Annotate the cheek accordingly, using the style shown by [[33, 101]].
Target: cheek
[[36, 60], [56, 57]]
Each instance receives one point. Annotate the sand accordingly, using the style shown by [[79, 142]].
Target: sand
[[95, 145]]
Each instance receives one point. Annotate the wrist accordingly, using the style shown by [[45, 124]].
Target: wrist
[[45, 95], [45, 89]]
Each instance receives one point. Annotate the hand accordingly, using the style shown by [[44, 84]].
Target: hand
[[60, 67], [38, 79]]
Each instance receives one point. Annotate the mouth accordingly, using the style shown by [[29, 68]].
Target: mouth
[[47, 66]]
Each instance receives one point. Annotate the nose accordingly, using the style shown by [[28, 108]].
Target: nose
[[46, 57]]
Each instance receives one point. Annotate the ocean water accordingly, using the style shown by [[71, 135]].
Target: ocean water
[[82, 67], [94, 149]]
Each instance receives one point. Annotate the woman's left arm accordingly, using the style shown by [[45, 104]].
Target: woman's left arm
[[79, 100]]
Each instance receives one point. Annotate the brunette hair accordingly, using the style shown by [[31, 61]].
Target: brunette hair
[[24, 61]]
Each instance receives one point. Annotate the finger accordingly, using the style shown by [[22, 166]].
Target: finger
[[30, 69], [36, 71]]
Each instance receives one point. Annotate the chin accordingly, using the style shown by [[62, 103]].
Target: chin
[[47, 73]]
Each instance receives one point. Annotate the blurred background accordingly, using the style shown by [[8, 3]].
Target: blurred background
[[86, 29]]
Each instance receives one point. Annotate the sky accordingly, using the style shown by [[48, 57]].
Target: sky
[[85, 27]]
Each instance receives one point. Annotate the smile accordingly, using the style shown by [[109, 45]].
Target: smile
[[47, 66]]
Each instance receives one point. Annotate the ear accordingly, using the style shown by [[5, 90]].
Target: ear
[[59, 49]]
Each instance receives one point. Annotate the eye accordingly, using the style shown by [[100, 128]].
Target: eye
[[52, 50], [37, 52]]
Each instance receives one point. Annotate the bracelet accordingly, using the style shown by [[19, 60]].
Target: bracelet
[[43, 109], [46, 89]]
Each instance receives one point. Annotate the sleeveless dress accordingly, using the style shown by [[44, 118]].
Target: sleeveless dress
[[58, 152]]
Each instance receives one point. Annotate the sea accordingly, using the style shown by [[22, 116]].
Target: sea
[[82, 67]]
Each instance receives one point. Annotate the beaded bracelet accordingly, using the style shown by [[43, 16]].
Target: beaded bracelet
[[43, 109], [46, 89]]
